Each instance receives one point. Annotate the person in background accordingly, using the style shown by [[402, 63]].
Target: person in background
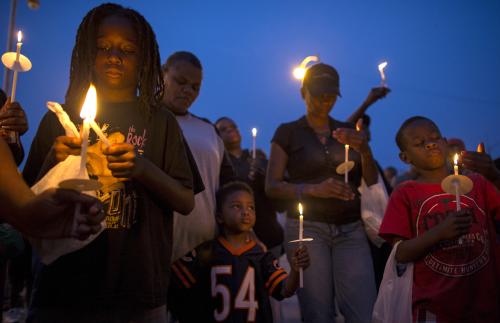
[[309, 150], [183, 74], [252, 171], [123, 274], [453, 252], [390, 174], [482, 163]]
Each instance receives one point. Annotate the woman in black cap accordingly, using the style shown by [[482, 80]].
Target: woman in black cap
[[309, 151]]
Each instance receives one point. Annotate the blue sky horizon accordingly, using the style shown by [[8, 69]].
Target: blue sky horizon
[[444, 60]]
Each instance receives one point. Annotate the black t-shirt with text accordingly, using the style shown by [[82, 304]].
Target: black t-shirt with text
[[128, 263]]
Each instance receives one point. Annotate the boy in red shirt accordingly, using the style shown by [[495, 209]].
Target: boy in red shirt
[[456, 278]]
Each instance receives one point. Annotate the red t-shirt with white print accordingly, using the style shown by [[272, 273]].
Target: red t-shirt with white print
[[453, 282]]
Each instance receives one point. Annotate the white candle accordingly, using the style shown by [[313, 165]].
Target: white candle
[[456, 183], [18, 54], [85, 139], [301, 237], [254, 140], [455, 166], [346, 174], [99, 133], [88, 114], [381, 67]]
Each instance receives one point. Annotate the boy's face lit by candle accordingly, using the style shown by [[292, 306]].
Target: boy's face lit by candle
[[238, 212], [116, 70], [424, 147]]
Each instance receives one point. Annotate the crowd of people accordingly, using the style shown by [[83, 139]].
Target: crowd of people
[[190, 216]]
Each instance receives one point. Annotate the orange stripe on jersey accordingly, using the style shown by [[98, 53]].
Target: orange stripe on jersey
[[276, 282], [273, 276], [186, 271], [181, 276], [236, 251]]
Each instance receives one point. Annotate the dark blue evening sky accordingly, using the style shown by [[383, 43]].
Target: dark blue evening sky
[[444, 60]]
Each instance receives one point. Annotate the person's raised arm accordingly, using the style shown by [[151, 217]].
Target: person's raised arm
[[375, 94]]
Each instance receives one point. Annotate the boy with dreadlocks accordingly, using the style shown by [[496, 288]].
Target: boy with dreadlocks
[[122, 275]]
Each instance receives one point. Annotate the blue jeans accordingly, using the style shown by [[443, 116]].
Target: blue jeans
[[341, 267]]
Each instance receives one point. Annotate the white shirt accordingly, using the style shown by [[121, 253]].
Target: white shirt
[[208, 151]]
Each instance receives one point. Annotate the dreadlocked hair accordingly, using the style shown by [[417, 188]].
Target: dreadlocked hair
[[84, 53]]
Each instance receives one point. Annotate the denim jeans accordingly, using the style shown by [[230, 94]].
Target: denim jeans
[[341, 267]]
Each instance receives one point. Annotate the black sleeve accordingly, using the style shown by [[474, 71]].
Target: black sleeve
[[198, 185], [227, 173], [282, 137], [176, 161], [36, 163]]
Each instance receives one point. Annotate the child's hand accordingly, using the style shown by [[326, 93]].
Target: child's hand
[[123, 161], [300, 259], [455, 225], [13, 118], [65, 146], [357, 140], [332, 187]]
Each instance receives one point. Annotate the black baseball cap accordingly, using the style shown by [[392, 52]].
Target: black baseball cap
[[322, 79]]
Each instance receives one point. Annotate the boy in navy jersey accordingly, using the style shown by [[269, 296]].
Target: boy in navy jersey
[[228, 279]]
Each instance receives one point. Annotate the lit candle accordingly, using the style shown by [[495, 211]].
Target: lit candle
[[359, 124], [455, 166], [254, 140], [301, 222], [346, 174], [480, 148], [87, 114], [381, 67], [456, 183], [18, 54], [301, 237]]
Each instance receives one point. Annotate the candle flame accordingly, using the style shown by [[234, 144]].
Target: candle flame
[[381, 66], [254, 132], [346, 146], [480, 148], [359, 124], [300, 71], [89, 106], [455, 159], [301, 210], [19, 36]]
